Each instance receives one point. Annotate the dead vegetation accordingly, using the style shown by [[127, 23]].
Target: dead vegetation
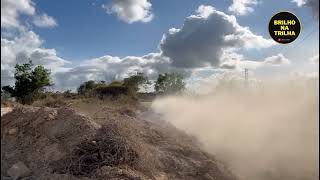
[[96, 139], [107, 148]]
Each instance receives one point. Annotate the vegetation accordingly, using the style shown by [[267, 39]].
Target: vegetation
[[135, 82], [113, 90], [86, 87], [30, 81], [4, 95], [169, 83], [129, 86]]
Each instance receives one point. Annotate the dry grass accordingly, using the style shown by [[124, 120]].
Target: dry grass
[[54, 102], [107, 148], [161, 148]]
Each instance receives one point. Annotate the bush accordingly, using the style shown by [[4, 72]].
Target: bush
[[135, 82], [111, 90], [102, 90], [86, 87], [169, 83], [69, 94]]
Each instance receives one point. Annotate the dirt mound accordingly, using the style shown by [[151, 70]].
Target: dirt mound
[[110, 143], [38, 136]]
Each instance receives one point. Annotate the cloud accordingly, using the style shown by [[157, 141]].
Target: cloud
[[10, 11], [192, 39], [131, 11], [205, 36], [228, 65], [271, 61], [276, 60], [237, 61], [300, 2], [230, 60], [242, 7], [109, 68], [314, 59], [313, 4], [19, 44], [27, 46], [207, 44], [45, 21]]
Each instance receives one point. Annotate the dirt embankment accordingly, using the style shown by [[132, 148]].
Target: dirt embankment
[[96, 141]]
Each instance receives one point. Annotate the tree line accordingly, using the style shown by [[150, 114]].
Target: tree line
[[31, 82]]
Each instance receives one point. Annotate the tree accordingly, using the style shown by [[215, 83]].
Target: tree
[[30, 81], [169, 83], [86, 87], [134, 82]]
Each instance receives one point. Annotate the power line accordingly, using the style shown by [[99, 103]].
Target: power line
[[298, 43]]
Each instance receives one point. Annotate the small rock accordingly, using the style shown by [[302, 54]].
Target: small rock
[[52, 115], [12, 131], [104, 170], [19, 170]]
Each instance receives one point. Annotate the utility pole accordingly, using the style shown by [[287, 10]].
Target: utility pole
[[246, 77]]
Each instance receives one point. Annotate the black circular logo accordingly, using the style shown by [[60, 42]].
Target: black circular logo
[[284, 27]]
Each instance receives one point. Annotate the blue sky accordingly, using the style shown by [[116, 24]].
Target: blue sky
[[89, 32], [85, 31], [95, 39]]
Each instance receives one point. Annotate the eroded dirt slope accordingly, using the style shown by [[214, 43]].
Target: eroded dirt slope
[[96, 141]]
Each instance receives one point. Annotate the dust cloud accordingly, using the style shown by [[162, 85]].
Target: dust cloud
[[269, 132]]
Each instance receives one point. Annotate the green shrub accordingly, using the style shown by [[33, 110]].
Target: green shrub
[[111, 90], [30, 81], [169, 83], [86, 87]]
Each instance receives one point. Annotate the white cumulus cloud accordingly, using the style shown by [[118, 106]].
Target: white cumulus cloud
[[205, 36], [313, 4], [11, 9], [45, 21], [242, 7], [276, 60], [237, 61], [131, 11], [27, 46]]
